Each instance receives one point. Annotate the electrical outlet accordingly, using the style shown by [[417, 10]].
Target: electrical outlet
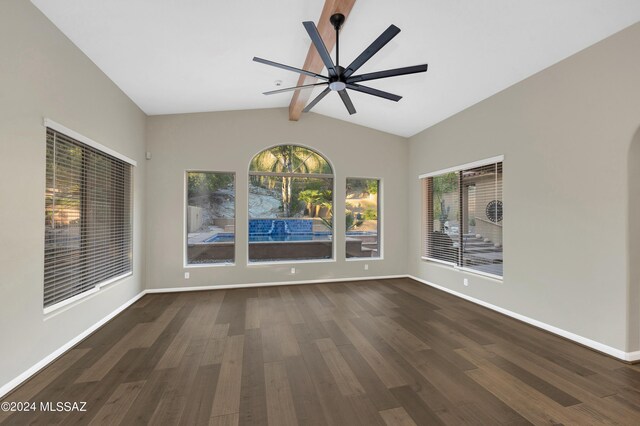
[[366, 266], [466, 282], [186, 275], [293, 270]]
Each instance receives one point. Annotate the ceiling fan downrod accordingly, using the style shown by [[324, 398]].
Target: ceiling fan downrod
[[337, 19]]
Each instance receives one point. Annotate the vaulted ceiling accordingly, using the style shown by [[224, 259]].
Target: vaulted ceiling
[[173, 56]]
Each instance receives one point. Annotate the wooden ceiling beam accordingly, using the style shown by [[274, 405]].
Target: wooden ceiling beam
[[313, 62]]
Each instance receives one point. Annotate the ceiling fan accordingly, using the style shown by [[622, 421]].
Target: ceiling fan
[[340, 79]]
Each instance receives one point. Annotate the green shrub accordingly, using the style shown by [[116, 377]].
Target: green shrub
[[371, 214]]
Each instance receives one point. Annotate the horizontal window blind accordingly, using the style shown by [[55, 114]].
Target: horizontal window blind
[[442, 216], [88, 230], [482, 212], [462, 217]]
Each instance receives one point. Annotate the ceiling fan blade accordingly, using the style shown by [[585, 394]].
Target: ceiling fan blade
[[289, 89], [387, 73], [378, 44], [312, 30], [316, 100], [288, 68], [347, 101], [374, 92]]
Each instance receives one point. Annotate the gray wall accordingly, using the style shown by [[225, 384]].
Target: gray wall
[[42, 74], [566, 135], [634, 243], [226, 141]]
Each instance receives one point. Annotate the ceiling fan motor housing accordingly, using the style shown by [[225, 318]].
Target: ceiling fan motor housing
[[338, 82]]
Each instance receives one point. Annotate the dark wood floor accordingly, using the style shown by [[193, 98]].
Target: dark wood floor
[[392, 352]]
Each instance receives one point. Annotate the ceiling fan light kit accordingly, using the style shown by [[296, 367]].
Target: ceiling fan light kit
[[340, 79]]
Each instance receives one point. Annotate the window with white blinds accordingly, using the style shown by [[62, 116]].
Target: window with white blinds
[[462, 217], [442, 217], [88, 229]]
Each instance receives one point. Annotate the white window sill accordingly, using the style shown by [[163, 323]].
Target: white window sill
[[53, 310], [289, 262], [492, 277], [207, 265]]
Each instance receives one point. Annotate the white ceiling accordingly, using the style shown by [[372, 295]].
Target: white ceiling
[[173, 56]]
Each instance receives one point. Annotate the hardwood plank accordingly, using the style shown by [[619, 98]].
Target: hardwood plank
[[440, 343], [322, 312], [360, 298], [312, 328], [373, 387], [336, 409], [343, 304], [253, 398], [365, 411], [335, 333], [535, 382], [397, 417], [305, 398], [290, 306], [280, 407], [173, 400], [214, 351], [384, 369], [407, 344], [530, 403], [175, 351], [461, 390], [232, 311], [226, 420], [227, 396], [197, 410], [220, 331], [415, 407], [278, 342], [157, 350], [543, 367], [144, 405], [374, 299], [252, 319], [347, 382]]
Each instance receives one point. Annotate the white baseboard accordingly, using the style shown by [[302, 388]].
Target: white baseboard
[[268, 284], [633, 356], [8, 387], [600, 347]]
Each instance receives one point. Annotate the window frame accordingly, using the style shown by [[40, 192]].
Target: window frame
[[72, 134], [257, 263], [462, 167], [380, 221], [185, 233]]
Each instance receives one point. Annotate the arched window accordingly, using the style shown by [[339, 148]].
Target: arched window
[[290, 205]]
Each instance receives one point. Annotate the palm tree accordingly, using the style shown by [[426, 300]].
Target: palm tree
[[289, 159]]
